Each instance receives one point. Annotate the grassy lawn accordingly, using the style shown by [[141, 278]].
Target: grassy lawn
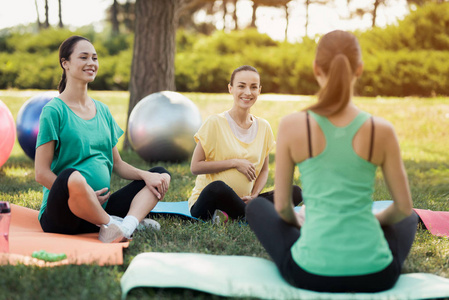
[[422, 126]]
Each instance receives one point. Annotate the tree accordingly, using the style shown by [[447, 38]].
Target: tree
[[270, 3], [61, 25], [153, 62], [46, 23], [234, 15], [307, 4], [187, 16], [121, 14], [128, 15], [114, 20], [39, 24], [371, 9]]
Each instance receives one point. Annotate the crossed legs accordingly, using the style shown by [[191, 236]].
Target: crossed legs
[[73, 207]]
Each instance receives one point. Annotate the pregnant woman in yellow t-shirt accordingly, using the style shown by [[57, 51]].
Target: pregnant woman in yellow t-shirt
[[231, 155]]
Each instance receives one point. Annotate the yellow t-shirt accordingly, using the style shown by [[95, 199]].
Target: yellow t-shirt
[[220, 143]]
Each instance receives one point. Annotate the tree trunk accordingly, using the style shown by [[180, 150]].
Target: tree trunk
[[47, 23], [286, 20], [114, 20], [61, 25], [234, 16], [225, 12], [129, 14], [307, 17], [39, 24], [253, 18], [376, 5], [152, 68]]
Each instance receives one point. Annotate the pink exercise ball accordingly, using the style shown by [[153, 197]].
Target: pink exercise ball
[[7, 133]]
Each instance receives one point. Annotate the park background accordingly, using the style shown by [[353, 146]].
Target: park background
[[406, 81]]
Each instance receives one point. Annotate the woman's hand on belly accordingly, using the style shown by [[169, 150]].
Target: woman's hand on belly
[[102, 198], [246, 168], [248, 199]]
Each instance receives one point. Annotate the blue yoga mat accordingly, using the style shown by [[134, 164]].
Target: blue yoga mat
[[255, 277], [181, 209]]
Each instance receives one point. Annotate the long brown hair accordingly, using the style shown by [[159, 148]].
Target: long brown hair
[[65, 50], [338, 55]]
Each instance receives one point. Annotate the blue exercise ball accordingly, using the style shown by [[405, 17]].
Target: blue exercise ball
[[162, 125], [27, 123]]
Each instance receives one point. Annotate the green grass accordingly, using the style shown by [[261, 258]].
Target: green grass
[[422, 126]]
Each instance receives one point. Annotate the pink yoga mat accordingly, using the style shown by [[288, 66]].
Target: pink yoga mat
[[26, 236], [437, 222]]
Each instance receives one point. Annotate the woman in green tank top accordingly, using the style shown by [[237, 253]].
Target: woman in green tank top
[[337, 244]]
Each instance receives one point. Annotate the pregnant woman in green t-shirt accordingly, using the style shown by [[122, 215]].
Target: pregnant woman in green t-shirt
[[76, 153]]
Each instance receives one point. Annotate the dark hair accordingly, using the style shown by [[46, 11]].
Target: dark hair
[[240, 69], [338, 55], [65, 50]]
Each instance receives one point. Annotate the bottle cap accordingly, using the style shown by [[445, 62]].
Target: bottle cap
[[4, 207]]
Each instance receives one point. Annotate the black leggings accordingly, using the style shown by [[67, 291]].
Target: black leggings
[[219, 195], [58, 218], [277, 237]]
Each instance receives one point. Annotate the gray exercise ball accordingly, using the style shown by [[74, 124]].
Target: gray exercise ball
[[162, 125]]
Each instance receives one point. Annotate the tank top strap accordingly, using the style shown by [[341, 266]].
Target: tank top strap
[[355, 124], [325, 125], [330, 130]]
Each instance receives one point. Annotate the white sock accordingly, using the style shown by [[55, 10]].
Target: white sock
[[114, 220], [129, 224]]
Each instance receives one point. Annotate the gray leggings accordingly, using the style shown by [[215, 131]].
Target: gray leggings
[[277, 237]]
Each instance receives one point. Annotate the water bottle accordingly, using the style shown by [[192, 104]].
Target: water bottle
[[5, 218]]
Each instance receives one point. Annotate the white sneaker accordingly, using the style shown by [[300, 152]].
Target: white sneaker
[[112, 234], [149, 223]]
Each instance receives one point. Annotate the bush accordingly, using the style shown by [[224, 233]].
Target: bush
[[410, 58], [424, 29], [403, 73]]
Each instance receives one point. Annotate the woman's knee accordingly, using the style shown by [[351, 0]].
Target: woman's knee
[[159, 170], [217, 187], [254, 206], [62, 181], [76, 182]]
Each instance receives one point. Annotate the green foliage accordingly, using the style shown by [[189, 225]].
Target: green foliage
[[222, 43], [410, 58], [205, 72], [116, 43], [43, 43], [427, 28], [404, 73]]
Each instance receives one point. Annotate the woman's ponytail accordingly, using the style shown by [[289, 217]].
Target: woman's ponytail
[[62, 82], [337, 92], [338, 56], [65, 50]]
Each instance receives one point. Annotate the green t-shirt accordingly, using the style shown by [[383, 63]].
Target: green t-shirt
[[340, 235], [85, 145]]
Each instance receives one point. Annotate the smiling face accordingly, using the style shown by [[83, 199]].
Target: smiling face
[[83, 63], [245, 88]]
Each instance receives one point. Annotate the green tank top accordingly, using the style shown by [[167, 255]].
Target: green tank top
[[340, 236]]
